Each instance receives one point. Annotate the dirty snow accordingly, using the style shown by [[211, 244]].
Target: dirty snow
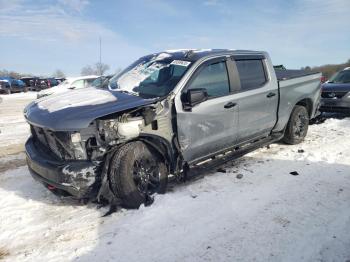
[[267, 215]]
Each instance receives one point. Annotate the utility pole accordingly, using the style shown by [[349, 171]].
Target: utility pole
[[100, 69]]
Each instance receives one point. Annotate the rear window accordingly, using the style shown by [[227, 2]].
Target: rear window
[[251, 73]]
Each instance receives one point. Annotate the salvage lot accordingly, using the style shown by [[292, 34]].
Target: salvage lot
[[268, 214]]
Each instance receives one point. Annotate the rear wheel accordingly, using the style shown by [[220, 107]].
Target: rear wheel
[[297, 126], [136, 172]]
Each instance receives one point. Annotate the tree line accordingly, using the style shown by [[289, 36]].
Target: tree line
[[329, 69], [8, 73], [96, 69]]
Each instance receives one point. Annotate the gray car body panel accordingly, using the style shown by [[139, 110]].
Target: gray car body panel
[[69, 115], [294, 90], [202, 131]]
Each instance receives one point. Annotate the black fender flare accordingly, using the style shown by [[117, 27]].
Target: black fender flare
[[163, 147]]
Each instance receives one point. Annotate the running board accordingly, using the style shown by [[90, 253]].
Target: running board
[[236, 152]]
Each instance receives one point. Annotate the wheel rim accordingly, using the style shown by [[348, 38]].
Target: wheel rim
[[146, 176], [300, 125]]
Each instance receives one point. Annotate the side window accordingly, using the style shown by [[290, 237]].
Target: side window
[[251, 74], [88, 82], [214, 79], [78, 84]]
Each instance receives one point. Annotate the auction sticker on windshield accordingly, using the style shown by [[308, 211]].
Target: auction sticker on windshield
[[180, 63]]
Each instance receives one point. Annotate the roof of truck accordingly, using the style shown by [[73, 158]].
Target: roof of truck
[[196, 54]]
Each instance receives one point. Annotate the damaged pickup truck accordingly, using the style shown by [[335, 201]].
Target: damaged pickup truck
[[168, 114]]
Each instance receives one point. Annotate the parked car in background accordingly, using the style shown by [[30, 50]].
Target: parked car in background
[[101, 82], [30, 82], [45, 83], [170, 113], [70, 83], [60, 80], [9, 85], [336, 93], [51, 82]]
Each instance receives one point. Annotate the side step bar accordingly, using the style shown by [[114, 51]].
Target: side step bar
[[229, 155]]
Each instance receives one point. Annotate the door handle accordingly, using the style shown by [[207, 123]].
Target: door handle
[[230, 105], [270, 95]]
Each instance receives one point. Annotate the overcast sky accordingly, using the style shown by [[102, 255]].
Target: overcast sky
[[41, 36]]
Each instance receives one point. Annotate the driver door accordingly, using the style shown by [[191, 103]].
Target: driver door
[[211, 125]]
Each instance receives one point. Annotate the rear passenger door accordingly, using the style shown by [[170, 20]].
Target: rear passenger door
[[258, 98], [213, 124]]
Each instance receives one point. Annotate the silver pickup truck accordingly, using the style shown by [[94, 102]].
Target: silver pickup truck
[[168, 114]]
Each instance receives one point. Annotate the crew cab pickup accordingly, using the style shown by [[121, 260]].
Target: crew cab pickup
[[167, 114]]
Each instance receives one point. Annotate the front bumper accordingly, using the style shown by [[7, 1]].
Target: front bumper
[[341, 105], [78, 178]]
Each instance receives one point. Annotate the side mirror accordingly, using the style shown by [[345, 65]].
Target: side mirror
[[195, 96], [72, 87]]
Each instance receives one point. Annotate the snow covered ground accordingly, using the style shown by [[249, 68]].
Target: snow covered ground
[[267, 215], [13, 128]]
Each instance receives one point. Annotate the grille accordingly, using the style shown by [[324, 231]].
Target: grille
[[57, 143], [328, 94]]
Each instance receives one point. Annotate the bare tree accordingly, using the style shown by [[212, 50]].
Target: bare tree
[[330, 69], [87, 70], [96, 69], [101, 68], [59, 74]]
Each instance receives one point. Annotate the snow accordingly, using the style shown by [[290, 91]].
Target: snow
[[19, 96], [267, 215], [188, 49], [13, 127], [83, 97]]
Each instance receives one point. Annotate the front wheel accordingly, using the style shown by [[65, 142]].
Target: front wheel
[[297, 126], [136, 172]]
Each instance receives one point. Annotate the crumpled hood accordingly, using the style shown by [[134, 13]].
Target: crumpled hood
[[75, 110]]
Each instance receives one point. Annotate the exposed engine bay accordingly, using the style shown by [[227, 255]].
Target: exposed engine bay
[[100, 139]]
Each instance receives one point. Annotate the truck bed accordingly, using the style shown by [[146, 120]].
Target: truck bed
[[284, 74], [294, 86]]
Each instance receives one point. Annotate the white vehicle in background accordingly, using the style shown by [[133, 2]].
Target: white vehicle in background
[[70, 83]]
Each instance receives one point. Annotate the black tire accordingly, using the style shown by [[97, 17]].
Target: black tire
[[136, 172], [297, 126]]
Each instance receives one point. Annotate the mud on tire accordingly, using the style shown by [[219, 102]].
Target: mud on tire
[[135, 172]]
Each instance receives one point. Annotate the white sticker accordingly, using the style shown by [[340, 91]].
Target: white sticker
[[180, 63]]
